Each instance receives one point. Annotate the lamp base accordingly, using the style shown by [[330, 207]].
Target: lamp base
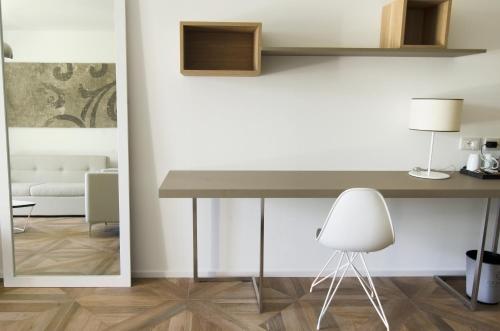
[[432, 175]]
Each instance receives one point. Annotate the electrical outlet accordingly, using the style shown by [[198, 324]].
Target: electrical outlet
[[489, 139], [470, 143]]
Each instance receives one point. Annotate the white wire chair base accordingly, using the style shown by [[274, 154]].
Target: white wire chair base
[[365, 281]]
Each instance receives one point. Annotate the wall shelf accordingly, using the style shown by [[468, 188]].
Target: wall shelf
[[387, 52], [235, 48]]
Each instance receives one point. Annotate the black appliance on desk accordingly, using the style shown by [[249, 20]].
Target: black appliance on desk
[[481, 173], [489, 171]]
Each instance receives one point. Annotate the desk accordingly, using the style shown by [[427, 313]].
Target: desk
[[326, 184]]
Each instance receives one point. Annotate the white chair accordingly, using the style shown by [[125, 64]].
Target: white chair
[[359, 222]]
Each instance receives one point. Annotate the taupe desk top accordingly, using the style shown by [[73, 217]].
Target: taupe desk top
[[319, 184]]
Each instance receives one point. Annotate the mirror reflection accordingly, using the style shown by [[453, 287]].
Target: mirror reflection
[[60, 85]]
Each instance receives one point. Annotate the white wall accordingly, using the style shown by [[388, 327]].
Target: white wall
[[56, 46], [63, 141], [301, 113]]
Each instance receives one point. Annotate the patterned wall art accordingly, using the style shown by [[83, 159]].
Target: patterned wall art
[[55, 95]]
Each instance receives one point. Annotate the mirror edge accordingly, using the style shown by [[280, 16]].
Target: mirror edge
[[123, 139], [5, 194]]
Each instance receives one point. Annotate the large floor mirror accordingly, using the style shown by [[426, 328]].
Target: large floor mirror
[[64, 181]]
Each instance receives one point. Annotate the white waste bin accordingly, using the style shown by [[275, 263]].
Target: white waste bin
[[489, 285]]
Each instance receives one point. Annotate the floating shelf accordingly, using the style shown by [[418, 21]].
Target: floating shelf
[[235, 48], [387, 52]]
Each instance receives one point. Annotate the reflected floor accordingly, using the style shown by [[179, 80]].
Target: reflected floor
[[62, 246]]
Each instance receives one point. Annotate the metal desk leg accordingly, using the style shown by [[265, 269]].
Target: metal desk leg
[[479, 258], [496, 230], [195, 239], [196, 278], [472, 303], [259, 284], [261, 270]]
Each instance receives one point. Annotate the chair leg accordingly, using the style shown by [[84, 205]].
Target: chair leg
[[367, 285], [90, 229], [330, 294], [370, 290], [315, 281], [364, 281]]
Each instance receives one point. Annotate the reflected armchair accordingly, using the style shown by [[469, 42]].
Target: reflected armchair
[[101, 198]]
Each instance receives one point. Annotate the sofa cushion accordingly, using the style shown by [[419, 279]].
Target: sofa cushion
[[58, 190], [22, 189]]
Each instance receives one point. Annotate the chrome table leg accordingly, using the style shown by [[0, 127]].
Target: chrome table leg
[[479, 257], [257, 282], [496, 230], [472, 302], [195, 239]]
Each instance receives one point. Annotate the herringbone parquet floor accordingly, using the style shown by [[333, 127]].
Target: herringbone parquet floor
[[62, 246], [179, 304]]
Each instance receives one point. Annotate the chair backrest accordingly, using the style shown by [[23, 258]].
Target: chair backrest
[[359, 221]]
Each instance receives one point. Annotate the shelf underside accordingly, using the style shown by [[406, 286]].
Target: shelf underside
[[387, 52]]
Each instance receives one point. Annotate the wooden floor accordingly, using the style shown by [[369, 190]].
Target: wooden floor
[[179, 304], [62, 246]]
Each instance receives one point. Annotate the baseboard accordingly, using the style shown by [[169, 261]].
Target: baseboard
[[375, 273], [295, 273], [48, 216]]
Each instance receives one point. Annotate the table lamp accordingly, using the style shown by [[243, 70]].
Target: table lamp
[[434, 115]]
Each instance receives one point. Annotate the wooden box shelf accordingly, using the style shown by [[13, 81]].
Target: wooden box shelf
[[415, 23], [220, 49]]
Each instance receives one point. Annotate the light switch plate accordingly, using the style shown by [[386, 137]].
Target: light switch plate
[[470, 143]]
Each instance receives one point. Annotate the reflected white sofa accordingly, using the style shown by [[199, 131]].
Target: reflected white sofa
[[101, 197], [56, 183]]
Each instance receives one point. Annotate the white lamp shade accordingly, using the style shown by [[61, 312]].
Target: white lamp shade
[[436, 114]]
